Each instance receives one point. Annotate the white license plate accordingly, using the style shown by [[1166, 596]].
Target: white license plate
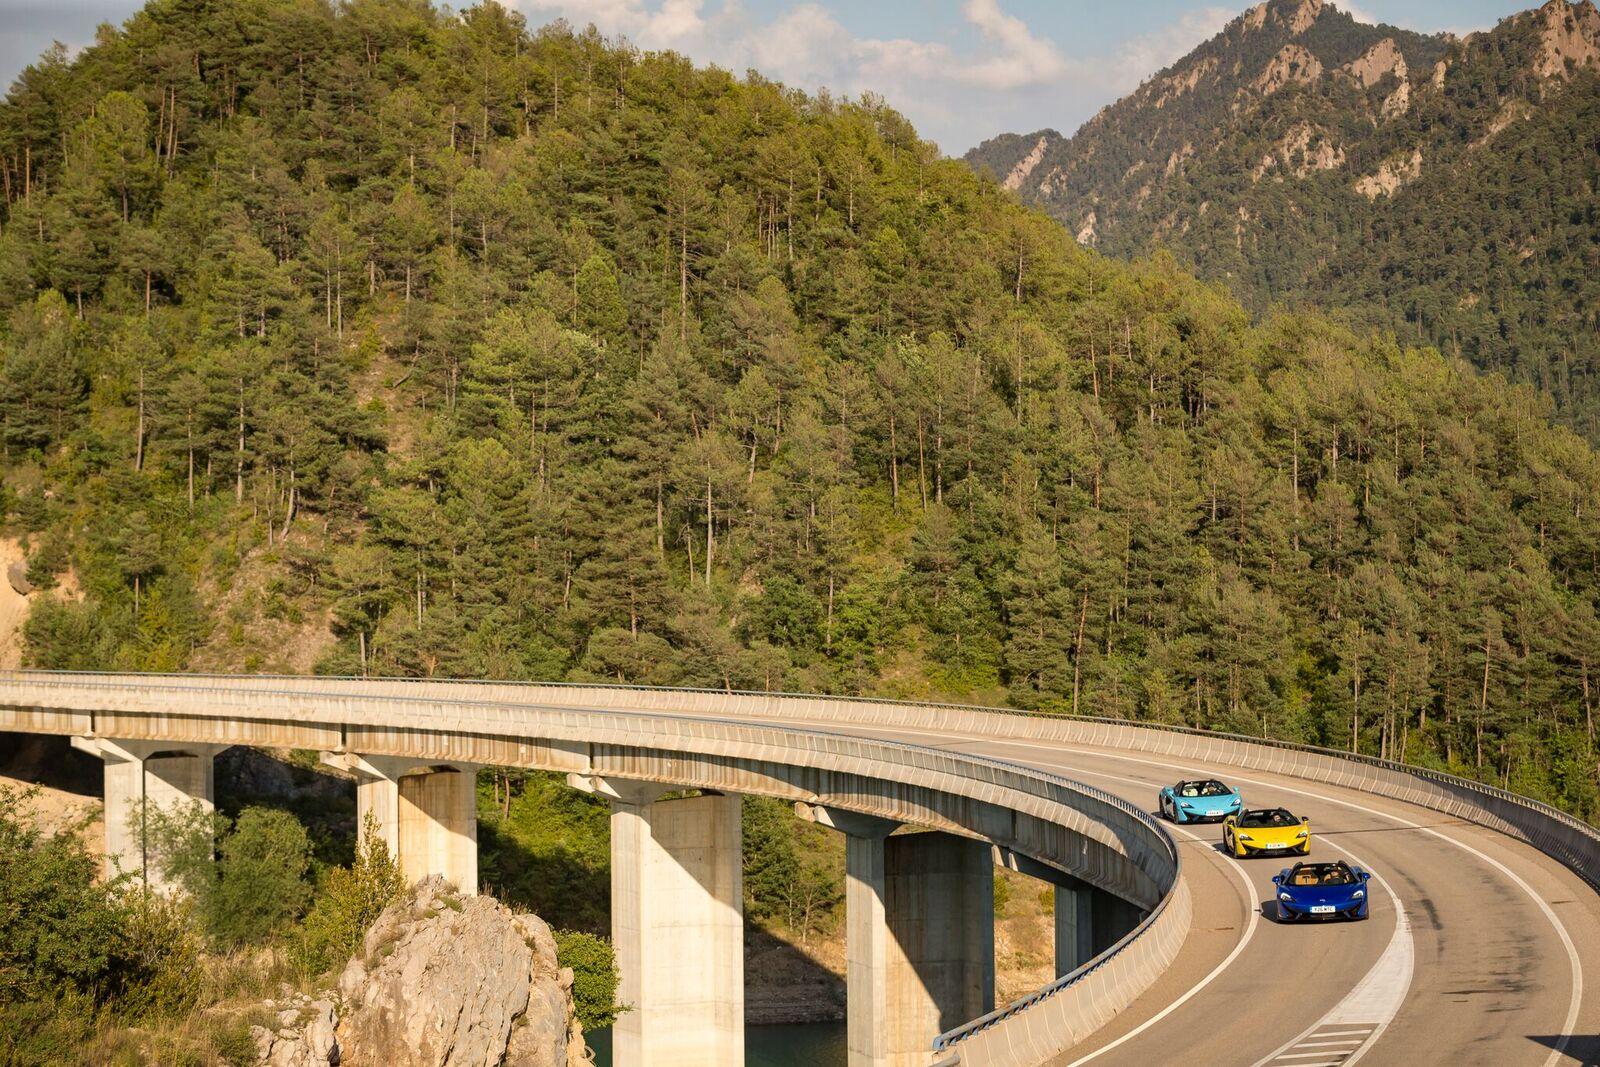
[[1322, 909]]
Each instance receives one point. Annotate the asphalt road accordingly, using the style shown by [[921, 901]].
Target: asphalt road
[[1479, 949]]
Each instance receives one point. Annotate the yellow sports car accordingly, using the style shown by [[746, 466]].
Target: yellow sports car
[[1266, 832]]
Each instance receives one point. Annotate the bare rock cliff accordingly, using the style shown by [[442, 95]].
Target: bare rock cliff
[[444, 980]]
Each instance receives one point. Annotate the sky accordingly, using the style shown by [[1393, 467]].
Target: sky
[[960, 70]]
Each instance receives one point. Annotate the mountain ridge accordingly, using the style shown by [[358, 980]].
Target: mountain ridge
[[1298, 153]]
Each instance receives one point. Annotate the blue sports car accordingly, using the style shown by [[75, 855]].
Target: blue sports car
[[1203, 800], [1321, 891]]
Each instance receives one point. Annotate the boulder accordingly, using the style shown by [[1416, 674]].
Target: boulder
[[445, 980], [305, 1036], [17, 575]]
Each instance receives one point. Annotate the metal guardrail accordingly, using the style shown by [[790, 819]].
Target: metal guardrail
[[1111, 980], [1026, 1035], [1019, 713]]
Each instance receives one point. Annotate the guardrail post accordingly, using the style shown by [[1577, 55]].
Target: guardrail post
[[140, 778], [677, 924], [426, 813]]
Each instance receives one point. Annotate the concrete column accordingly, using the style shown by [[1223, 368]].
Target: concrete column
[[426, 813], [142, 777], [677, 925], [920, 937], [939, 904], [867, 940], [1113, 919], [1074, 927]]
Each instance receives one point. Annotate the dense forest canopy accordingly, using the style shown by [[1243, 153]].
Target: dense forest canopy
[[384, 338], [1440, 187]]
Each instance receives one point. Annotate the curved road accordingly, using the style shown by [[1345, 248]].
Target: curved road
[[1480, 949], [1488, 978]]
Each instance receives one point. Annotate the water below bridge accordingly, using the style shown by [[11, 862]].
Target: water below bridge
[[802, 1045]]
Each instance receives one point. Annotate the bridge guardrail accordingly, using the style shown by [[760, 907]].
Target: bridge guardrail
[[1558, 834], [1027, 1031]]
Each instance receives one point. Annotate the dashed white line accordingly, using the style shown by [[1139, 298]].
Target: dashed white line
[[1558, 1048]]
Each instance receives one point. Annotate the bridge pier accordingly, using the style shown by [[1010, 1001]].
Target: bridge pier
[[920, 937], [426, 813], [677, 924], [141, 777], [1088, 920]]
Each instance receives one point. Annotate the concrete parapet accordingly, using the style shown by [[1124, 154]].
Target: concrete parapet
[[734, 745], [142, 777]]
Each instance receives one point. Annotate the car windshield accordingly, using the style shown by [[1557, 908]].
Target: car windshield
[[1267, 817], [1309, 874], [1211, 788]]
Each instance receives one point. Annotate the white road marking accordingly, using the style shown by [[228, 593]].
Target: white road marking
[[1576, 966], [1348, 1049], [1373, 1002], [1560, 1047], [1254, 920]]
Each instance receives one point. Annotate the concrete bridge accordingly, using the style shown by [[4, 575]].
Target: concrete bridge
[[1163, 947]]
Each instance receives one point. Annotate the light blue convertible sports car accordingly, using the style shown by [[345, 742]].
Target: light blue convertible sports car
[[1202, 800]]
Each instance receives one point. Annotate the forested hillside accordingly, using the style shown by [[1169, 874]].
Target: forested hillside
[[1441, 188], [397, 340]]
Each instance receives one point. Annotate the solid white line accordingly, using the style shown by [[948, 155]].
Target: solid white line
[[1251, 909], [1575, 1001], [1320, 1044], [1560, 1047], [1394, 963]]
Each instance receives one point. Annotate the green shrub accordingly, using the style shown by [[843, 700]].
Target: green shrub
[[166, 953], [255, 887], [37, 1033], [348, 902], [594, 976], [61, 933], [75, 952]]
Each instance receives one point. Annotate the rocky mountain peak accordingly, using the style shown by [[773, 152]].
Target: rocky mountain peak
[[1294, 16], [1569, 37]]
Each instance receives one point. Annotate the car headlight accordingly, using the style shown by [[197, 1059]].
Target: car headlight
[[1359, 894], [1285, 897], [1303, 833]]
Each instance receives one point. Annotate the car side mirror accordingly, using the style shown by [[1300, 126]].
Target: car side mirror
[[1366, 875], [1277, 879]]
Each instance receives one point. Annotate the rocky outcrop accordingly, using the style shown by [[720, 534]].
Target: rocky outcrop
[[1293, 64], [1302, 150], [1377, 63], [444, 980], [1025, 165], [1391, 175], [1569, 36], [304, 1035]]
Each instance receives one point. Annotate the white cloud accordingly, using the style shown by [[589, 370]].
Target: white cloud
[[1003, 75], [1020, 59]]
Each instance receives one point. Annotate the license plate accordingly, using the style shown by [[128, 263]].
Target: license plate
[[1322, 909]]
